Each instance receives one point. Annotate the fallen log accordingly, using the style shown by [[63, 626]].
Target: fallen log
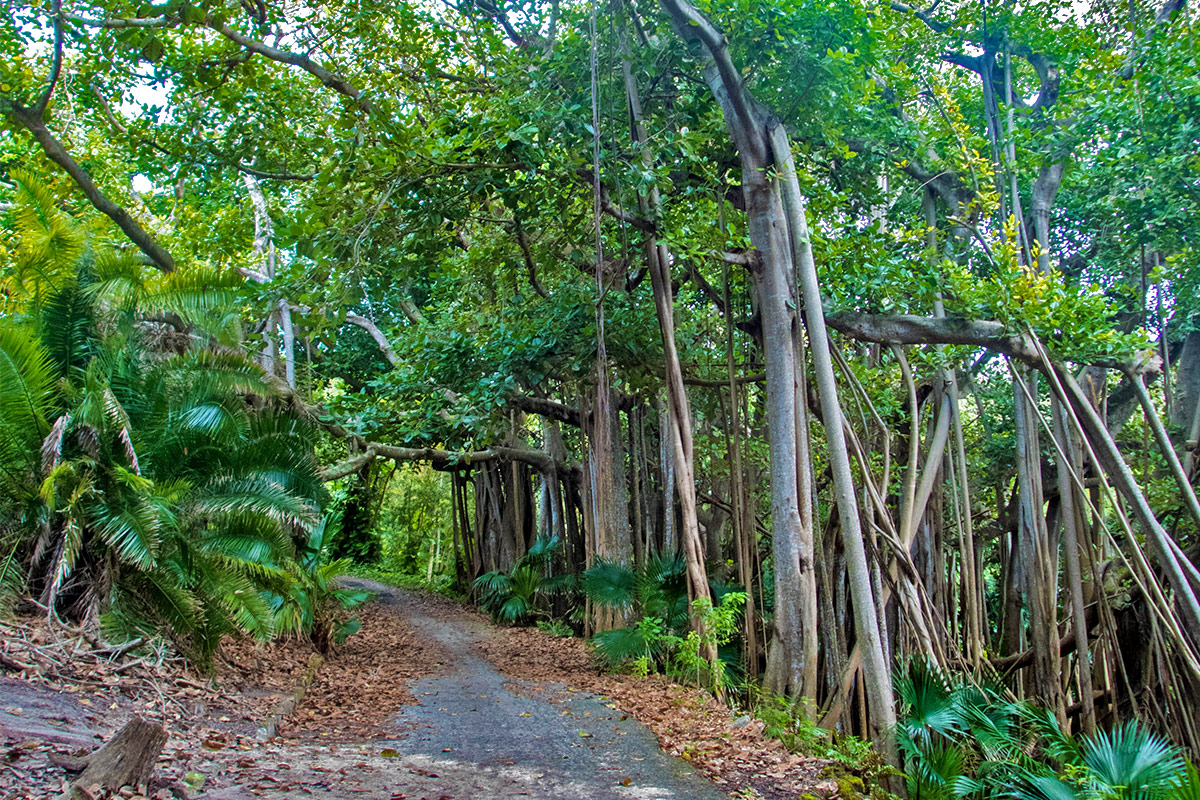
[[126, 760]]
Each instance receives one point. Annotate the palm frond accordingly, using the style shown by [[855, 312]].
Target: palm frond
[[928, 708], [132, 528], [26, 401], [610, 584], [542, 550], [1187, 785], [619, 645], [51, 243], [1132, 762], [494, 581], [514, 609], [68, 330], [1045, 787], [71, 540]]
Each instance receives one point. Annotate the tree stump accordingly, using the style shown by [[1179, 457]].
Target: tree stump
[[126, 760]]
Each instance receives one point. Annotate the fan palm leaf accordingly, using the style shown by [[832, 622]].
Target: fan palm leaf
[[1131, 762], [610, 584], [929, 709]]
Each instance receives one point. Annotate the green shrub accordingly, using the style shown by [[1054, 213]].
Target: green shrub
[[961, 740], [514, 596]]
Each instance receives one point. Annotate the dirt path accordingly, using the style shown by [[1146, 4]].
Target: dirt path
[[472, 733], [429, 701]]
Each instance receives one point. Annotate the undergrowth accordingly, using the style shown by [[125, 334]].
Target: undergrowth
[[855, 766]]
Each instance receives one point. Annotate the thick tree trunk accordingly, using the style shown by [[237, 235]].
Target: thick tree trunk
[[1187, 381], [666, 452], [608, 495], [1070, 463], [288, 335], [779, 231], [1040, 577]]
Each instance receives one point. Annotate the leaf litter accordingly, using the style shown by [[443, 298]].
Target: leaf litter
[[324, 743]]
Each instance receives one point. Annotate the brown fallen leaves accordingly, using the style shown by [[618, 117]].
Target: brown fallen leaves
[[367, 680], [213, 719], [734, 754]]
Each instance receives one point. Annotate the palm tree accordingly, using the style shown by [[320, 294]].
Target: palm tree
[[147, 487], [314, 606]]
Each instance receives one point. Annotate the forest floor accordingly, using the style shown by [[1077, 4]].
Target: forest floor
[[430, 700]]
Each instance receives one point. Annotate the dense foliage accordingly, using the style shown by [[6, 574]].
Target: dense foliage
[[143, 489], [787, 341]]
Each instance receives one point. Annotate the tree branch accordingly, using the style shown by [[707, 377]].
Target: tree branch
[[121, 23], [692, 26], [32, 121], [546, 408], [272, 176], [1161, 19], [301, 60], [723, 383], [43, 102], [523, 242], [925, 16], [409, 308], [911, 329], [380, 339], [445, 459]]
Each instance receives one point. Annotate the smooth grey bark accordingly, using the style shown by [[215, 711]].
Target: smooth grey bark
[[288, 335], [1185, 410], [779, 231], [1040, 580], [667, 459], [972, 600], [1167, 449], [1114, 464], [804, 642], [375, 333], [1070, 509]]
